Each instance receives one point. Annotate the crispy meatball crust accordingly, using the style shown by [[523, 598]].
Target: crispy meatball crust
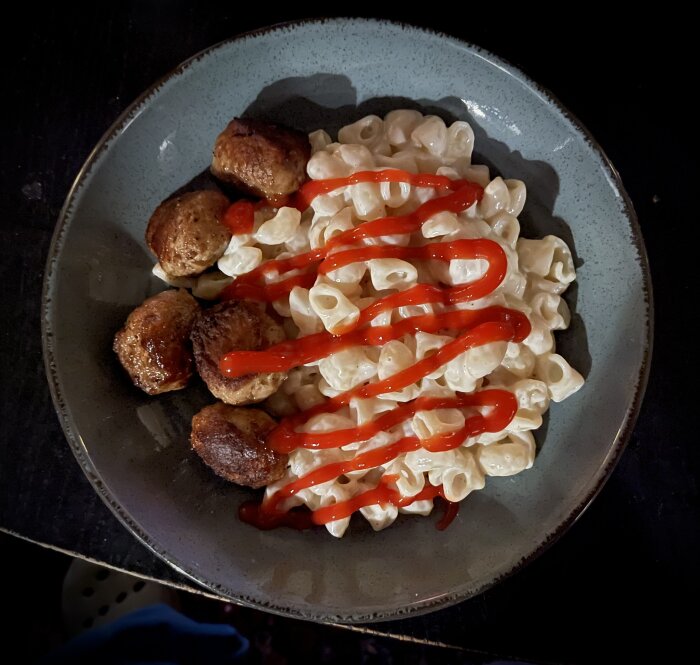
[[266, 160], [186, 233], [154, 345], [235, 326], [231, 441]]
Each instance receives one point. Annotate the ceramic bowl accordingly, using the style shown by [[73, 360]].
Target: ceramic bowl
[[134, 448]]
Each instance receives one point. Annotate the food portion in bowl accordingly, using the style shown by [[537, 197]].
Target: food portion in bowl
[[379, 306]]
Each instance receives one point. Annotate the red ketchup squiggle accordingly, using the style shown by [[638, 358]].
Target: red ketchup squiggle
[[494, 408], [294, 353], [240, 217], [252, 286], [501, 406]]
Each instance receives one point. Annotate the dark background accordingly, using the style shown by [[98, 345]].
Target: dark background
[[618, 582]]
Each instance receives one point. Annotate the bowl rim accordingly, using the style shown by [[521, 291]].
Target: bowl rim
[[79, 448]]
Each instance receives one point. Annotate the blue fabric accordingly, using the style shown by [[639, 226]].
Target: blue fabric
[[155, 635]]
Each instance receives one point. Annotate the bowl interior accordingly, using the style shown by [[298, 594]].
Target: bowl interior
[[323, 75]]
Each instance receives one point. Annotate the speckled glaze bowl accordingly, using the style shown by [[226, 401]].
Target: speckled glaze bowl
[[134, 448]]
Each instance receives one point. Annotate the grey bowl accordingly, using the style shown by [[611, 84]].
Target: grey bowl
[[134, 448]]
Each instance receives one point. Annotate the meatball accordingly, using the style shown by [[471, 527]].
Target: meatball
[[231, 441], [266, 160], [235, 326], [154, 345], [186, 233]]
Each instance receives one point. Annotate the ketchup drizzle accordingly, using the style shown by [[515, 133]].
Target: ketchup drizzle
[[491, 409]]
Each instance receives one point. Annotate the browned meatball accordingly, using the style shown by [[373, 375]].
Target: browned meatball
[[154, 345], [231, 441], [267, 160], [235, 326], [186, 233]]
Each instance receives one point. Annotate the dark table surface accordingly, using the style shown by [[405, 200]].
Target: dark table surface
[[632, 557]]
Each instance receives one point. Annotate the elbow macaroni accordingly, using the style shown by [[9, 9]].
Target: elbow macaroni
[[538, 273]]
